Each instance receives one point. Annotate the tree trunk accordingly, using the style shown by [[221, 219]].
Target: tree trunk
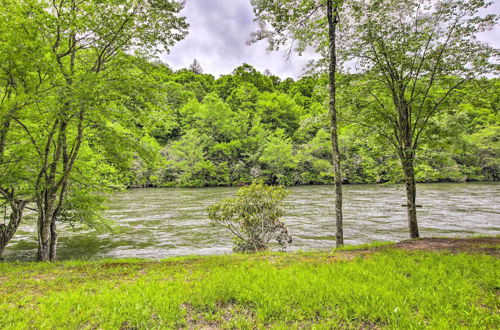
[[407, 156], [43, 253], [47, 198], [44, 227], [8, 231], [3, 239], [332, 13], [411, 196], [47, 232], [2, 248], [53, 240]]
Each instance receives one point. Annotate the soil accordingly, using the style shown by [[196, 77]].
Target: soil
[[487, 245]]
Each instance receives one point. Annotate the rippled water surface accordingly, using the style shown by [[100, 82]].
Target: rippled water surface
[[158, 223]]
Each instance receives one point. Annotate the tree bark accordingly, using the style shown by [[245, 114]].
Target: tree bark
[[407, 155], [43, 253], [8, 231], [411, 196], [45, 215], [47, 198], [48, 213], [2, 246], [53, 241], [332, 13]]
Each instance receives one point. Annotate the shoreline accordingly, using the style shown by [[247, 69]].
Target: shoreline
[[323, 184]]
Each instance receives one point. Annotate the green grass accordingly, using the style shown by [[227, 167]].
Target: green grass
[[385, 288], [367, 246]]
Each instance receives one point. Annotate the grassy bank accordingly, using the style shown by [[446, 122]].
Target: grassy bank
[[372, 288]]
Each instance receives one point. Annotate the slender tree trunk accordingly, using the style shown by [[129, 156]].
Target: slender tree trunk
[[53, 240], [407, 155], [47, 198], [8, 231], [2, 248], [47, 230], [53, 195], [4, 127], [45, 210], [411, 196], [332, 13], [43, 253]]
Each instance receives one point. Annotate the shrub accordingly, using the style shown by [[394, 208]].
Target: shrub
[[254, 217]]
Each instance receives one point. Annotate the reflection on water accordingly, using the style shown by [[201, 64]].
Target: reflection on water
[[158, 223]]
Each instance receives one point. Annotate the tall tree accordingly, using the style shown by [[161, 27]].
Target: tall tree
[[89, 40], [308, 23], [195, 67], [332, 13], [415, 54], [23, 84]]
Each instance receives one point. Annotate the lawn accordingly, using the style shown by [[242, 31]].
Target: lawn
[[383, 286]]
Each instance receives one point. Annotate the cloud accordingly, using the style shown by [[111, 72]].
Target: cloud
[[219, 30], [492, 37], [218, 33]]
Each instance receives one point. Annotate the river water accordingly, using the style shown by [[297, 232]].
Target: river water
[[159, 223]]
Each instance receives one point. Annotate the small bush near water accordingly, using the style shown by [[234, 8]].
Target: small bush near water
[[254, 217]]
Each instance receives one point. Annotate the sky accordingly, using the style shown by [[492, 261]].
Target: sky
[[218, 35]]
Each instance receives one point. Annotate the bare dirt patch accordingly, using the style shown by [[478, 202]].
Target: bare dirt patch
[[125, 264], [487, 245]]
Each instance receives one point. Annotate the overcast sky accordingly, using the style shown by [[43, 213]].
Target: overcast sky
[[218, 34]]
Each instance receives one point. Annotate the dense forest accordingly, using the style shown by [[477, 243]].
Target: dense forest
[[87, 107], [250, 125]]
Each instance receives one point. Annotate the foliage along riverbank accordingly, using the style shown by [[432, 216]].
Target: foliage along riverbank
[[434, 283], [248, 125]]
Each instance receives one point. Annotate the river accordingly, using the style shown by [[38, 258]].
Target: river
[[159, 223]]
